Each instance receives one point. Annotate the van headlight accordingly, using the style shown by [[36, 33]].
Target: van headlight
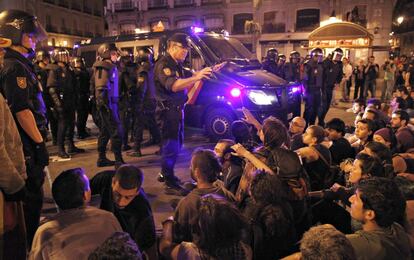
[[259, 97]]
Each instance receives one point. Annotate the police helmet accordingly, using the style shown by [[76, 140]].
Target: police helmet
[[104, 51], [272, 54], [60, 55], [282, 57], [145, 54], [316, 52], [337, 54], [14, 23], [294, 57], [42, 55], [78, 63], [126, 57]]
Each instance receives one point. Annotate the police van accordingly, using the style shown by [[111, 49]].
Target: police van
[[215, 103]]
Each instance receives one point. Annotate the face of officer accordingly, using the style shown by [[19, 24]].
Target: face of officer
[[178, 52], [114, 56], [29, 40]]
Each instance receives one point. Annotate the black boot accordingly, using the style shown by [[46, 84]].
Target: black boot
[[104, 162], [118, 159], [73, 149], [62, 153]]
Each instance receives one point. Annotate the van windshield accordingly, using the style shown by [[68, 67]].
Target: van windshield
[[227, 48]]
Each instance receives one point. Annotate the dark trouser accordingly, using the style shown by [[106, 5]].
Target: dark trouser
[[326, 104], [82, 114], [110, 128], [149, 115], [313, 102], [370, 85], [171, 125], [66, 125], [51, 117], [125, 117], [34, 193], [359, 85]]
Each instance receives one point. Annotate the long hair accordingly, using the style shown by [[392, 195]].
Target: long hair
[[275, 133]]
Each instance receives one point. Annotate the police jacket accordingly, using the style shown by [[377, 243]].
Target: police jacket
[[333, 72], [104, 82], [54, 85], [82, 78], [41, 74], [20, 87], [145, 80], [292, 72], [313, 74], [70, 88], [127, 83], [166, 72], [270, 66]]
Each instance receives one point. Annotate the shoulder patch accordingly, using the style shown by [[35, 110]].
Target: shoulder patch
[[176, 74], [141, 79], [167, 71], [21, 82], [39, 77]]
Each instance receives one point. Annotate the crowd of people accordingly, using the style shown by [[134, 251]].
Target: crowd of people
[[325, 191]]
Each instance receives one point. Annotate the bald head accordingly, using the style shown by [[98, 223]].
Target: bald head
[[297, 125]]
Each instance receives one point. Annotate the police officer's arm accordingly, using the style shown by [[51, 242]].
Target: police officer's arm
[[52, 85], [340, 74], [182, 84], [28, 123]]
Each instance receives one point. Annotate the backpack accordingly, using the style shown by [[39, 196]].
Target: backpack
[[287, 166]]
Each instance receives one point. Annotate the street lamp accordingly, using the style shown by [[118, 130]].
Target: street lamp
[[400, 20]]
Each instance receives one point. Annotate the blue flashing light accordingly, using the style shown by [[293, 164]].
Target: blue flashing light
[[196, 29], [296, 89], [76, 46]]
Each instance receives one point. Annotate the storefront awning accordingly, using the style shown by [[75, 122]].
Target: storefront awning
[[340, 34]]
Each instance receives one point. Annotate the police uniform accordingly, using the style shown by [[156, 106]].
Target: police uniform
[[104, 85], [169, 113], [292, 72], [82, 79], [313, 82], [270, 66], [23, 91]]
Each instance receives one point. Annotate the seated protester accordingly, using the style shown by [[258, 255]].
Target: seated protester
[[324, 242], [283, 163], [244, 133], [121, 194], [364, 131], [407, 188], [78, 229], [387, 137], [403, 163], [218, 230], [378, 204], [372, 114], [403, 98], [205, 169], [296, 128], [119, 246], [358, 106], [350, 135], [316, 158], [232, 166], [405, 136], [339, 147], [272, 224], [383, 154]]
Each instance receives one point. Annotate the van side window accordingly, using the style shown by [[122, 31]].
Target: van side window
[[194, 61]]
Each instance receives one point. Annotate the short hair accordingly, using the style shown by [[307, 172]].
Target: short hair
[[119, 246], [275, 132], [370, 123], [404, 89], [69, 187], [406, 187], [228, 143], [240, 130], [129, 177], [318, 132], [383, 153], [375, 102], [359, 101], [206, 161], [267, 189], [370, 166], [324, 242], [383, 196], [337, 125], [402, 114]]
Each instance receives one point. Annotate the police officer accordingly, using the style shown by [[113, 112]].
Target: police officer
[[42, 60], [127, 86], [333, 76], [21, 88], [82, 79], [61, 85], [104, 86], [271, 59], [144, 100], [281, 62], [313, 83], [292, 68], [171, 86]]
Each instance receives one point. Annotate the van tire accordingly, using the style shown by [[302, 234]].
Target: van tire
[[218, 124]]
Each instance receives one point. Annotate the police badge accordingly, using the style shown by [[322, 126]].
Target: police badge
[[167, 71], [21, 82]]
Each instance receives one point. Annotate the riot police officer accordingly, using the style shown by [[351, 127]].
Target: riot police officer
[[82, 79], [42, 60], [292, 68], [171, 86], [333, 76], [271, 60], [281, 62], [61, 85], [144, 100], [104, 86], [313, 83], [127, 85], [21, 88]]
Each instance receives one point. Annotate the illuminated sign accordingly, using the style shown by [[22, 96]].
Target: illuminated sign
[[353, 43]]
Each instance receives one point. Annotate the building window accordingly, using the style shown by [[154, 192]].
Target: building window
[[273, 22], [239, 21], [358, 15], [378, 12], [128, 28], [307, 19], [214, 22], [184, 23]]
